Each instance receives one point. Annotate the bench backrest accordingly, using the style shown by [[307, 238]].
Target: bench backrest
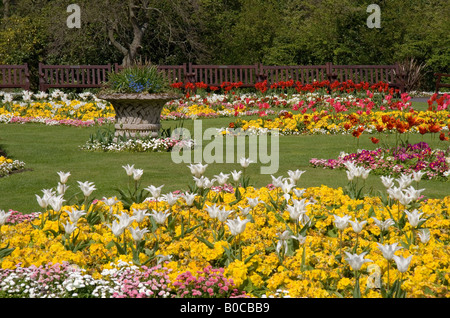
[[14, 76], [72, 76]]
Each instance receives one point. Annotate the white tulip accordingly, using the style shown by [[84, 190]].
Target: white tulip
[[295, 175], [43, 202], [414, 217], [253, 201], [161, 216], [137, 174], [129, 169], [75, 215], [155, 191], [417, 175], [404, 181], [383, 225], [222, 178], [140, 214], [213, 211], [245, 162], [69, 228], [341, 222], [389, 250], [4, 216], [424, 235], [138, 234], [63, 176], [189, 198], [245, 211], [197, 169], [356, 260], [170, 198], [86, 187], [56, 202], [277, 182], [236, 175], [357, 226], [237, 226], [61, 188], [223, 214], [387, 181], [402, 263]]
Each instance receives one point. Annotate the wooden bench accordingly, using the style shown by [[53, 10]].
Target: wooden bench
[[215, 75], [305, 74], [438, 81], [72, 76], [15, 76]]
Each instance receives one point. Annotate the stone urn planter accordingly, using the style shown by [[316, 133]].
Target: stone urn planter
[[137, 115]]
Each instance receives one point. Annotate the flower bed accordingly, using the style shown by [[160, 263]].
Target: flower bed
[[412, 158], [8, 166], [138, 145], [323, 122], [87, 109], [312, 242], [56, 108]]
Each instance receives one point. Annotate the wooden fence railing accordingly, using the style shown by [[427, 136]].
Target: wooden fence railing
[[14, 76], [92, 76]]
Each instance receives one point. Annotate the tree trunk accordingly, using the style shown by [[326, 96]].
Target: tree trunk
[[6, 8], [130, 51]]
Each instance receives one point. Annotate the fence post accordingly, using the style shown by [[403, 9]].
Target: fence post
[[400, 78], [189, 78], [329, 71], [27, 77], [260, 77], [184, 73], [42, 86]]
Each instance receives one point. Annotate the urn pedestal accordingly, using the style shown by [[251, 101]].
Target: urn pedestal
[[137, 115]]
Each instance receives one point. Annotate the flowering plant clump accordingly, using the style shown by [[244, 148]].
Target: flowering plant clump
[[275, 241], [138, 145], [8, 166], [142, 79], [207, 283], [15, 217], [411, 158], [121, 280]]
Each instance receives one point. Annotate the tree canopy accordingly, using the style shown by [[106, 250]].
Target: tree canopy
[[272, 32]]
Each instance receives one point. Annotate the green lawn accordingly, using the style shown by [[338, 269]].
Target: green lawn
[[49, 149]]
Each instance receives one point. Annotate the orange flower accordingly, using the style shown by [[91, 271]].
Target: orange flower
[[423, 130], [375, 140], [443, 137], [434, 128], [380, 128]]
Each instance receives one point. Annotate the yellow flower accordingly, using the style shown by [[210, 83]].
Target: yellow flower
[[236, 270]]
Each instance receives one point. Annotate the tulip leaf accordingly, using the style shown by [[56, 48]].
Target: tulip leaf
[[250, 257], [333, 232], [206, 242], [357, 289], [5, 251]]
